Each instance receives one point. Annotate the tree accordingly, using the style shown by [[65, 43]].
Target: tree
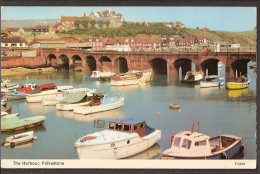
[[85, 23], [77, 23], [107, 23], [92, 23]]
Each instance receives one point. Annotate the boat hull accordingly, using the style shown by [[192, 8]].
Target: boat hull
[[124, 82], [233, 85], [69, 107], [100, 108], [211, 84], [15, 95], [23, 126], [92, 78], [121, 149], [38, 97]]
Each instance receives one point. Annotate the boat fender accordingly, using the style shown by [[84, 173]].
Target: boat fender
[[241, 148], [115, 150], [223, 155]]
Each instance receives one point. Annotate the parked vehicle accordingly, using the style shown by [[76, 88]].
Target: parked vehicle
[[122, 139]]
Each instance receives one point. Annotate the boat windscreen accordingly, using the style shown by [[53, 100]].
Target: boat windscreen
[[148, 130]]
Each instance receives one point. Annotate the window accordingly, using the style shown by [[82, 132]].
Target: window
[[141, 125], [6, 45], [135, 127], [186, 144], [127, 128], [21, 44], [177, 141], [200, 143], [118, 126], [111, 125]]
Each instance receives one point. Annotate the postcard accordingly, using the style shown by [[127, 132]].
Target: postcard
[[157, 87]]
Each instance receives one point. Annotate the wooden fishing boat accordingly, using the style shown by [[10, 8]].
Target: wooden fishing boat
[[19, 138], [193, 77], [240, 83], [195, 145], [100, 102], [74, 100], [212, 81], [36, 95], [11, 122], [122, 139], [174, 106]]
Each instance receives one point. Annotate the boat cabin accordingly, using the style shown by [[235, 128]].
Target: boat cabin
[[130, 125], [240, 80], [43, 87], [30, 85], [194, 142]]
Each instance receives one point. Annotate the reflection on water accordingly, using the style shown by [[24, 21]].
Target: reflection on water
[[240, 155], [238, 92], [38, 108], [150, 153], [214, 108], [113, 114]]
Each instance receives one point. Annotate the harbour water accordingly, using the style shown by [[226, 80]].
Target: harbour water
[[218, 110]]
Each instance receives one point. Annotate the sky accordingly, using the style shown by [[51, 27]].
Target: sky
[[234, 19]]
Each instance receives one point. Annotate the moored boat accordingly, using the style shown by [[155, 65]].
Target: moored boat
[[195, 145], [19, 138], [193, 77], [11, 122], [36, 95], [174, 106], [212, 81], [74, 100], [122, 139], [97, 75], [100, 102], [21, 92], [240, 83], [53, 100]]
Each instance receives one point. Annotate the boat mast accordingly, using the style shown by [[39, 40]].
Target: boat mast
[[192, 127], [198, 126]]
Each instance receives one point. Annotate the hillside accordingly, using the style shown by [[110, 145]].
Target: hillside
[[27, 23], [158, 29]]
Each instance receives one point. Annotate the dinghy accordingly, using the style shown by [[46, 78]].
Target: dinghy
[[212, 81], [239, 83], [19, 138]]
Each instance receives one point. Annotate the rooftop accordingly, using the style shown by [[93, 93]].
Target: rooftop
[[128, 121]]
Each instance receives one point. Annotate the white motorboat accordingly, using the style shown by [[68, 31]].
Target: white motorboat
[[193, 77], [19, 138], [36, 95], [7, 86], [195, 145], [122, 139], [97, 75], [74, 100], [212, 81], [53, 100], [100, 102]]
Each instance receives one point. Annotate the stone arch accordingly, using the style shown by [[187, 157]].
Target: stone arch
[[240, 66], [64, 62], [184, 63], [51, 60], [211, 65], [105, 63], [159, 65], [121, 64], [76, 63], [91, 63]]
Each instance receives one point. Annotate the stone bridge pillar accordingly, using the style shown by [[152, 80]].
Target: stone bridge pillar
[[171, 69], [229, 71]]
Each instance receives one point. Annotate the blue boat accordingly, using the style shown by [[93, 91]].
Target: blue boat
[[15, 95], [212, 81], [195, 145]]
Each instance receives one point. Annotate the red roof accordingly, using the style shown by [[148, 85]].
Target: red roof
[[41, 27], [46, 85]]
